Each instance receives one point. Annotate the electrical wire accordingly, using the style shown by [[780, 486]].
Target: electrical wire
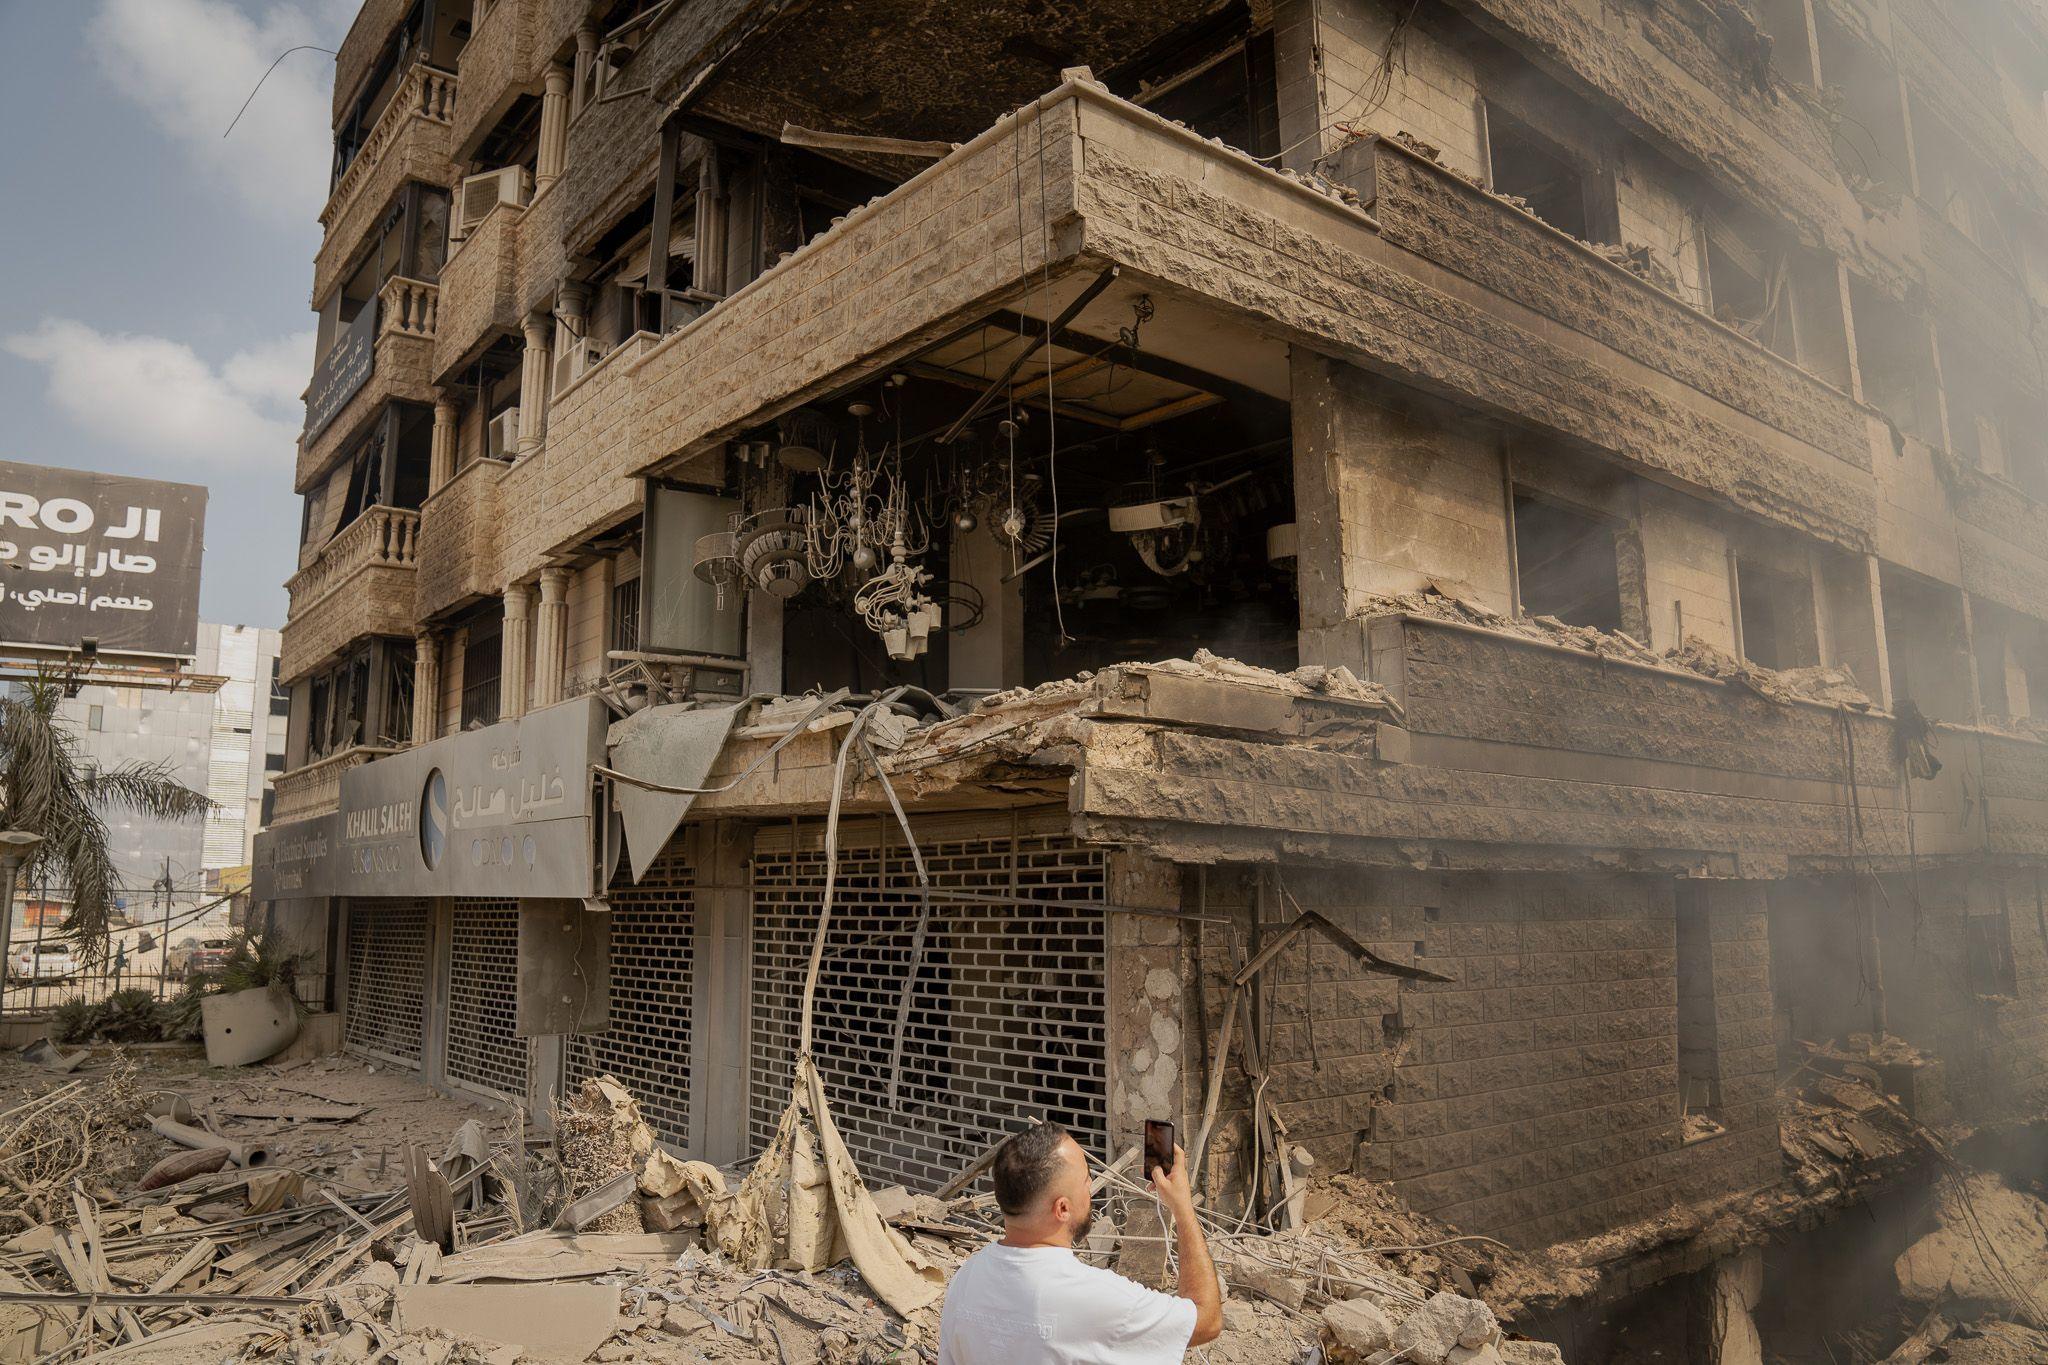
[[302, 47]]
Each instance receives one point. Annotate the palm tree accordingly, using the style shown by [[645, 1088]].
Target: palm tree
[[48, 788]]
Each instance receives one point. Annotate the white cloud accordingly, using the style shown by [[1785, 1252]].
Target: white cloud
[[191, 63], [158, 398]]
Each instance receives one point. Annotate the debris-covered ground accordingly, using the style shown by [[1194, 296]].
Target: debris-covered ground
[[378, 1221]]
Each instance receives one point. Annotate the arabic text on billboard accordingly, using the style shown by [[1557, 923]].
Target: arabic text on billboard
[[99, 556]]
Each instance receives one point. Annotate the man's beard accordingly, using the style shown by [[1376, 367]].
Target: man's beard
[[1081, 1228]]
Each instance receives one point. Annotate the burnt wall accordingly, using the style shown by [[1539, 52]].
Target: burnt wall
[[1439, 216], [1535, 1098]]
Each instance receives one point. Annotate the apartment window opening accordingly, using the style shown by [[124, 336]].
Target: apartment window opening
[[1565, 565], [1699, 1044], [483, 664], [1777, 616], [1987, 940], [1530, 167], [626, 615]]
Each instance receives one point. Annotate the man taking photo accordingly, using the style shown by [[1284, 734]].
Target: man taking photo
[[1029, 1300]]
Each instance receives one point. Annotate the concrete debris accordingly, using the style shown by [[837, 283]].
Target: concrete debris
[[548, 1321], [1353, 1329], [1989, 1250], [792, 1265], [1445, 1324]]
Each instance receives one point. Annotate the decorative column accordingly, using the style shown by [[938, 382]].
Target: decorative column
[[426, 686], [533, 383], [587, 37], [572, 304], [441, 453], [551, 636], [512, 671], [554, 130]]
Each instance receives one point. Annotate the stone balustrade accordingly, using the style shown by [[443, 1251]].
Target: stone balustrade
[[361, 584], [409, 307], [315, 789], [426, 93]]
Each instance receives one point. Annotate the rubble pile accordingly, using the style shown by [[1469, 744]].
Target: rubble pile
[[484, 1246]]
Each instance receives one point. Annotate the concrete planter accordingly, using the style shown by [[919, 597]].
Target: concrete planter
[[248, 1026]]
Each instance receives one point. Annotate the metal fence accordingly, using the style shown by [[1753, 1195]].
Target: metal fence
[[653, 975], [387, 979], [1007, 1022], [483, 982]]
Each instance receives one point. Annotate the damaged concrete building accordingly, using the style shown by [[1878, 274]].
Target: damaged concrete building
[[1547, 486]]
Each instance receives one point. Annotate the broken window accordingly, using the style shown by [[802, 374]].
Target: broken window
[[1924, 643], [1776, 625], [625, 618], [1866, 114], [1523, 164], [1215, 76], [1699, 1061], [1565, 565], [1987, 940], [1749, 287], [1962, 189], [1895, 353], [1791, 51]]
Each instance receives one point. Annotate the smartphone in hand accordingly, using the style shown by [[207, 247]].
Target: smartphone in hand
[[1158, 1145]]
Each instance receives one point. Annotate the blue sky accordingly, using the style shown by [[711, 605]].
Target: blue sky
[[155, 275]]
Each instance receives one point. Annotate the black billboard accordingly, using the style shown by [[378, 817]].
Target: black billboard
[[100, 557]]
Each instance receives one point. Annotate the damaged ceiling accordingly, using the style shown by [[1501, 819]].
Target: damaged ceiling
[[922, 69]]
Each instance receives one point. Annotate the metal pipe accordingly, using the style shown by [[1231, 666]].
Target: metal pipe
[[247, 1155]]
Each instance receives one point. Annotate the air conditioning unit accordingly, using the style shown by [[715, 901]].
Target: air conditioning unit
[[502, 437], [575, 357], [480, 194]]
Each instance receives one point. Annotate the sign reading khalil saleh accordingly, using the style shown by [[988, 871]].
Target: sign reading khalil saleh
[[502, 811], [100, 557]]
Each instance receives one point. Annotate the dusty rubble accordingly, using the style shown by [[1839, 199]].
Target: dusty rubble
[[396, 1225], [1828, 685]]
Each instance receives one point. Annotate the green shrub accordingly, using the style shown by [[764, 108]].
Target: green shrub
[[182, 1020], [75, 1021], [132, 1015]]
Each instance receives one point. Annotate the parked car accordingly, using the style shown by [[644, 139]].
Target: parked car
[[41, 962], [194, 957]]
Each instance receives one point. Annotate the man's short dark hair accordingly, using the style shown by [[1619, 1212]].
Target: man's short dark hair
[[1025, 1165]]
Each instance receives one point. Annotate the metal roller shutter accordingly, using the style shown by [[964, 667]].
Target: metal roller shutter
[[387, 979], [483, 983], [1007, 1023], [652, 975]]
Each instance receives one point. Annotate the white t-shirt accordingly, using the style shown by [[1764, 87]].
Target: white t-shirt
[[1045, 1306]]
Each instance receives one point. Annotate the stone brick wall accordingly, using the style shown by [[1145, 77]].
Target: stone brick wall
[[1666, 79], [579, 481], [543, 262], [366, 37], [1685, 555], [1432, 91], [1477, 685], [1219, 228], [1437, 215], [1390, 494], [375, 600], [1536, 1097], [499, 63], [479, 298], [459, 535], [1994, 1046]]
